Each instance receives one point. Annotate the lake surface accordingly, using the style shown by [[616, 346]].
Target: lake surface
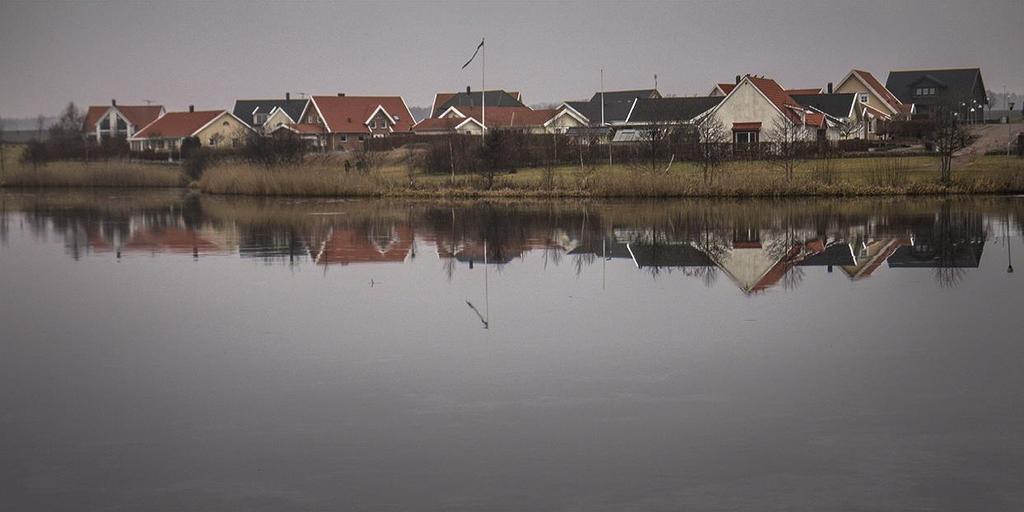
[[170, 352]]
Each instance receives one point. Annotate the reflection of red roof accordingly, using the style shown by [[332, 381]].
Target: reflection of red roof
[[346, 246], [349, 114], [171, 239], [179, 124]]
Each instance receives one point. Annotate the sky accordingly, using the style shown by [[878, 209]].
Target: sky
[[210, 53]]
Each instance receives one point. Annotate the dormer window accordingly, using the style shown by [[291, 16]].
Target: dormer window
[[924, 91], [863, 97], [259, 119]]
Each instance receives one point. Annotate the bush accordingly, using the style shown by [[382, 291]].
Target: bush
[[282, 148], [198, 160]]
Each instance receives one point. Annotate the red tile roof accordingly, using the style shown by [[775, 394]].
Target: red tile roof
[[140, 115], [92, 116], [726, 88], [873, 82], [301, 128], [499, 117], [348, 114], [178, 124], [815, 119], [777, 95]]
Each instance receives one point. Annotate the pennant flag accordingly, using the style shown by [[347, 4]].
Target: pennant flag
[[481, 45]]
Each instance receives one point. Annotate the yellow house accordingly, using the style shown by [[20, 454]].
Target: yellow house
[[218, 129], [874, 102]]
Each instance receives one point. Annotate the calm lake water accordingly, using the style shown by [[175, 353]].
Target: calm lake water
[[169, 352]]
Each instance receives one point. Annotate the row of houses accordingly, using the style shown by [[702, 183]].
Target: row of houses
[[748, 107]]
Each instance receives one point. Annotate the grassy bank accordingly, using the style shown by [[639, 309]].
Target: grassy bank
[[326, 177], [842, 177]]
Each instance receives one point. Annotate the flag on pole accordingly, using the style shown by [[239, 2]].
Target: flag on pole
[[481, 45]]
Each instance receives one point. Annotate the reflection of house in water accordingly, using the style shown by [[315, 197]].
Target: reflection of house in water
[[668, 255], [755, 266], [346, 245], [171, 239], [872, 254]]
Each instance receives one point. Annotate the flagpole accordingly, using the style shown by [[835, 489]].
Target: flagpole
[[483, 89]]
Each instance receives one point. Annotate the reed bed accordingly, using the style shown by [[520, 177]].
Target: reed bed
[[94, 175]]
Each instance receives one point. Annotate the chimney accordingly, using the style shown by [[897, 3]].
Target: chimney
[[287, 96], [830, 87], [113, 103], [341, 95], [737, 79], [191, 108], [467, 89]]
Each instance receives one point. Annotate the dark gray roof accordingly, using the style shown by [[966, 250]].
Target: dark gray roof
[[669, 255], [835, 254], [676, 110], [836, 105], [965, 82], [496, 98], [245, 109], [617, 105]]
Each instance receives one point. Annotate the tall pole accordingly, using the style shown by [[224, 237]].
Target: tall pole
[[602, 96], [483, 90]]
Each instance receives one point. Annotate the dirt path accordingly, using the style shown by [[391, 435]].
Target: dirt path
[[990, 137]]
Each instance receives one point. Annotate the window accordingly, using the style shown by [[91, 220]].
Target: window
[[121, 124], [863, 97], [343, 138], [373, 124], [235, 142], [924, 91], [311, 119], [746, 137], [105, 123], [362, 137], [259, 119]]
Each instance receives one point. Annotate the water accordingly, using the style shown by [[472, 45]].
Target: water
[[166, 352]]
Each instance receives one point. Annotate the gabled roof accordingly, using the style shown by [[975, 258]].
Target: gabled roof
[[726, 88], [138, 115], [836, 105], [777, 95], [300, 128], [674, 110], [493, 98], [876, 87], [438, 124], [179, 124], [348, 114], [247, 109], [963, 81]]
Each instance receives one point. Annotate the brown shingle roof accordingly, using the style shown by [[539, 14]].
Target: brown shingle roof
[[348, 114], [178, 124], [886, 96]]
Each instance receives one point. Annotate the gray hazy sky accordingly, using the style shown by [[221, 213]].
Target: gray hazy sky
[[208, 54]]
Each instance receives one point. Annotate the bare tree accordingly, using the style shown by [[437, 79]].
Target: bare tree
[[786, 138], [848, 128], [948, 135], [711, 136]]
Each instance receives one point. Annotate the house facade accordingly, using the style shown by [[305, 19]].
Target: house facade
[[758, 109], [471, 120], [609, 108], [266, 114], [348, 122], [876, 103], [927, 87], [118, 121], [216, 129], [491, 98]]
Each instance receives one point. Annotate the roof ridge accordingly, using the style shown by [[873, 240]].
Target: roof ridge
[[919, 70]]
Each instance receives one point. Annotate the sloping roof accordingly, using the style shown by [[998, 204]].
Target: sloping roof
[[835, 105], [178, 124], [92, 116], [247, 109], [138, 115], [630, 95], [874, 112], [960, 81], [348, 114], [671, 109], [500, 117], [442, 124], [777, 95], [726, 87], [300, 128], [494, 98], [793, 92], [884, 93]]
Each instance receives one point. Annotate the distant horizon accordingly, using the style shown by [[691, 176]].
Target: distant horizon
[[90, 53]]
